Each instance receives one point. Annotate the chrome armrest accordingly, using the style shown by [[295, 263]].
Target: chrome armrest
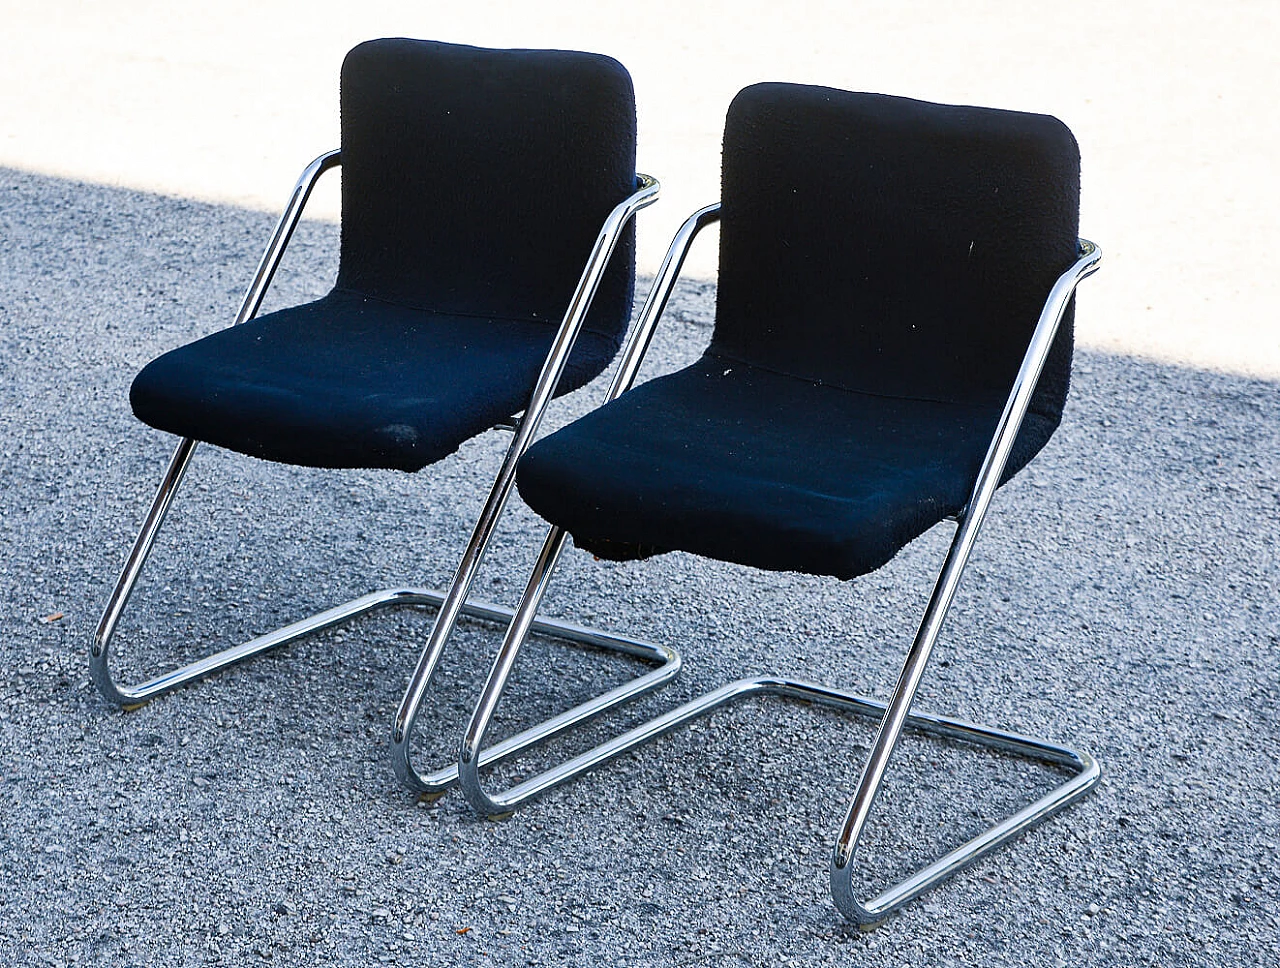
[[283, 233], [656, 302]]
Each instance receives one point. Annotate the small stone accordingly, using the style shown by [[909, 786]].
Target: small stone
[[284, 907], [395, 857], [1093, 909], [224, 929]]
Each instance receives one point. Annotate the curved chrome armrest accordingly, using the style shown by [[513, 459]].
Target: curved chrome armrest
[[656, 302], [283, 233], [575, 315], [129, 696], [1015, 409]]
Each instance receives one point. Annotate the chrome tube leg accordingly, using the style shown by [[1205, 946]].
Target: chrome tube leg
[[100, 649], [482, 716], [519, 624], [895, 717], [897, 714], [548, 379], [407, 713], [132, 696], [984, 488], [471, 756]]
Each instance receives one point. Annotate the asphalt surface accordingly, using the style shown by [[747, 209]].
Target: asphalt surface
[[1123, 597]]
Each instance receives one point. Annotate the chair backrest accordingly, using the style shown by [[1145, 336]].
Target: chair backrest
[[893, 246], [474, 181]]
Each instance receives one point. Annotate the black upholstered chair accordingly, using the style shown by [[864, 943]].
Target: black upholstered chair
[[484, 193], [892, 341]]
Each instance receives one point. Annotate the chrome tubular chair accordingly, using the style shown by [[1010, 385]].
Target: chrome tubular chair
[[892, 341], [484, 194]]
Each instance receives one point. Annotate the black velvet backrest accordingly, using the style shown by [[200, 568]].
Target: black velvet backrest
[[893, 246], [474, 181]]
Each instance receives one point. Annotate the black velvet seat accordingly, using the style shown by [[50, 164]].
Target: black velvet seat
[[742, 464], [892, 342], [883, 263], [474, 183], [354, 381]]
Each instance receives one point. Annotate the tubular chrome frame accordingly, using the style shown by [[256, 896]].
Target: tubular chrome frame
[[893, 715], [406, 716], [131, 697], [470, 757]]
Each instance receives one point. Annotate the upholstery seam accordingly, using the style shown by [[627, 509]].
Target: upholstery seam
[[721, 355], [442, 312]]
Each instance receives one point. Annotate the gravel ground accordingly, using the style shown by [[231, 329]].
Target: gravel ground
[[1123, 598]]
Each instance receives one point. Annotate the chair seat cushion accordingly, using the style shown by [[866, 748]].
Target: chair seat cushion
[[738, 463], [351, 381]]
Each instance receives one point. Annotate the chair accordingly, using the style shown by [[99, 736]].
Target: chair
[[892, 341], [484, 193]]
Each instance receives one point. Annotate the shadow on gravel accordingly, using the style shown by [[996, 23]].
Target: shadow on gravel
[[1124, 597]]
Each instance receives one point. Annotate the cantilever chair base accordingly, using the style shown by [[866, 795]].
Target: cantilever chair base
[[1085, 771], [892, 717], [130, 698]]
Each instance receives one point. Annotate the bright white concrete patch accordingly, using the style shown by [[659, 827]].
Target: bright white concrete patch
[[1170, 103]]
